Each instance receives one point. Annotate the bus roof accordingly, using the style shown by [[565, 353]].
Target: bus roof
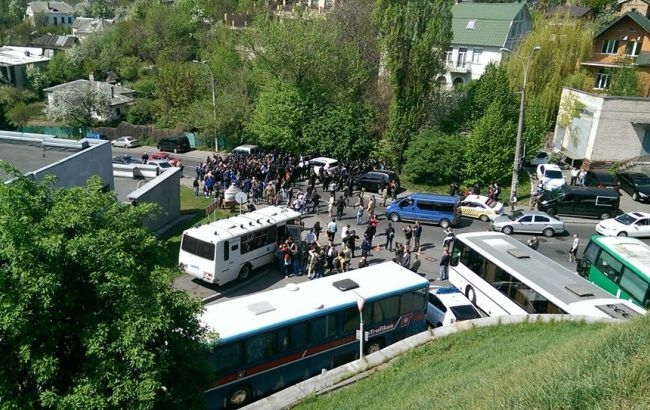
[[530, 266], [240, 317], [630, 251], [235, 226]]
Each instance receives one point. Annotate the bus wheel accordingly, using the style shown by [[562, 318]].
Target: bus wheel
[[244, 272], [444, 223], [548, 232], [622, 233], [373, 347], [470, 294], [239, 396], [484, 218], [394, 217]]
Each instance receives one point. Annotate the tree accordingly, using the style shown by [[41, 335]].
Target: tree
[[19, 114], [414, 35], [84, 107], [624, 80], [88, 319], [61, 69], [435, 158]]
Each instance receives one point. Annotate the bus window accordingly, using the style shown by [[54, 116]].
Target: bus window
[[261, 346], [635, 286], [609, 266], [297, 336], [227, 357], [412, 301], [322, 328], [385, 309], [350, 320], [226, 250]]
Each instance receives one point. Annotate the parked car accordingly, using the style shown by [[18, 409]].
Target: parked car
[[425, 207], [636, 224], [329, 165], [372, 180], [636, 184], [449, 305], [162, 165], [246, 149], [551, 176], [125, 142], [580, 201], [391, 175], [126, 160], [524, 221], [480, 207], [174, 144], [96, 136], [163, 156], [540, 158], [601, 179]]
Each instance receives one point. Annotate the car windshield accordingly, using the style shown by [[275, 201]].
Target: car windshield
[[465, 312], [625, 219], [554, 174]]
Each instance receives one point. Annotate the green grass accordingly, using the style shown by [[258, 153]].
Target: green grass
[[525, 366], [194, 207]]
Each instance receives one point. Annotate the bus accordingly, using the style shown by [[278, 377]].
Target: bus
[[231, 248], [273, 339], [503, 276], [619, 265]]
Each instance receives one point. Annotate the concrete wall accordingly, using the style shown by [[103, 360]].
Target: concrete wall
[[164, 190], [79, 166]]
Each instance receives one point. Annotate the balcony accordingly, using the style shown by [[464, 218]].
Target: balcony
[[459, 66]]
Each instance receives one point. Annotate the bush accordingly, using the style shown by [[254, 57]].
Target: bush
[[435, 158]]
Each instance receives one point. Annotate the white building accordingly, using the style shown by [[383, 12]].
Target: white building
[[14, 62], [54, 12]]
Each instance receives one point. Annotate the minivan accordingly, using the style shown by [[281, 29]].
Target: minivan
[[246, 149], [433, 208], [174, 144], [601, 203]]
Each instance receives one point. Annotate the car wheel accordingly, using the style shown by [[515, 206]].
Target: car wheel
[[444, 223], [635, 196], [605, 215], [484, 218], [507, 230], [394, 217], [244, 272], [239, 396], [548, 232], [622, 233], [551, 211]]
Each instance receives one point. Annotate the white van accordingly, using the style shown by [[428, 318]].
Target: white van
[[247, 149], [329, 165], [551, 176]]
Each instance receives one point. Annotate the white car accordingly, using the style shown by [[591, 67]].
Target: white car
[[636, 224], [125, 142], [449, 305], [551, 176], [540, 158], [161, 164], [481, 207], [329, 165]]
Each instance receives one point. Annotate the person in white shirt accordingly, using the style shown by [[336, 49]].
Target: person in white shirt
[[574, 248], [574, 175]]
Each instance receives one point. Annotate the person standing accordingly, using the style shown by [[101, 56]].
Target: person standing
[[390, 235], [581, 177], [416, 264], [384, 196], [408, 234], [331, 230], [417, 233], [574, 248], [340, 206], [371, 205], [310, 238], [145, 158], [574, 175], [365, 247], [359, 214], [317, 229], [406, 259], [444, 265], [449, 239]]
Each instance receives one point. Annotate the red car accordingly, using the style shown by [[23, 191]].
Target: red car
[[163, 156]]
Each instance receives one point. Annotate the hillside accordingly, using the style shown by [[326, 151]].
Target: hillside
[[525, 366]]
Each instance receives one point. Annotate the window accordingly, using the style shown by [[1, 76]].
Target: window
[[322, 328], [606, 200], [591, 252], [526, 219], [226, 250], [610, 47], [635, 286], [69, 20], [227, 357], [198, 247], [261, 346], [54, 21], [476, 55], [609, 266], [298, 336], [435, 301], [541, 219], [632, 48], [350, 320], [411, 301], [385, 310], [602, 81]]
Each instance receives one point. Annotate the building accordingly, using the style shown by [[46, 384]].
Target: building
[[624, 41], [481, 31], [15, 61], [120, 97], [639, 6], [53, 13], [86, 26], [602, 129], [52, 43]]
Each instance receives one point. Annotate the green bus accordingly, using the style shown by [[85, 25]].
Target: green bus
[[619, 265]]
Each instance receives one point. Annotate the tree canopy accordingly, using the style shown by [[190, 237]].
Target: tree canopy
[[88, 320]]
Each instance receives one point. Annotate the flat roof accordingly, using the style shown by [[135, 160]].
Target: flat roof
[[29, 157], [13, 55]]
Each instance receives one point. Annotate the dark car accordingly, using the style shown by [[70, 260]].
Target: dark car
[[370, 181], [636, 184], [392, 176], [126, 160], [174, 144], [601, 179]]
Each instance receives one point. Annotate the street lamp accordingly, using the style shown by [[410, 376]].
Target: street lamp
[[214, 99], [525, 60]]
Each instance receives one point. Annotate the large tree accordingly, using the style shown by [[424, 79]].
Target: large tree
[[84, 107], [414, 35], [88, 319]]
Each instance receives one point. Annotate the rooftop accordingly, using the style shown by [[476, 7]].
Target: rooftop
[[50, 7], [13, 55], [91, 25], [483, 24], [54, 41]]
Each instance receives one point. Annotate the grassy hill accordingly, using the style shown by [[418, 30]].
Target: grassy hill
[[524, 366]]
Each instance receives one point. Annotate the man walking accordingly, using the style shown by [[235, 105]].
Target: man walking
[[574, 248], [340, 205], [390, 235], [417, 233], [408, 234], [444, 265], [331, 230]]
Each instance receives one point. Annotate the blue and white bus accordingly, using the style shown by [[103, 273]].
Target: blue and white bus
[[273, 339]]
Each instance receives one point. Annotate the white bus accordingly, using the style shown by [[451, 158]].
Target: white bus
[[231, 248], [503, 276], [274, 339]]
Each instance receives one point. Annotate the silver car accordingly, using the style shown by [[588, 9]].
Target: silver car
[[522, 221]]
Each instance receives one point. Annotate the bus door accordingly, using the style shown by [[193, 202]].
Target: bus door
[[228, 257], [295, 232]]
